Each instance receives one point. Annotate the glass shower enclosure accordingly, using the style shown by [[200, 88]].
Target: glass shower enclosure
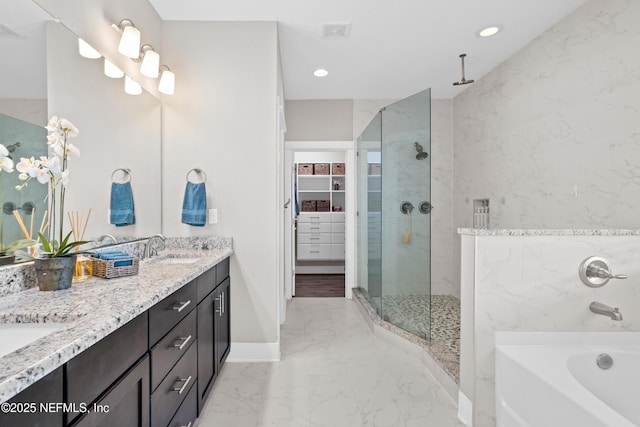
[[394, 213]]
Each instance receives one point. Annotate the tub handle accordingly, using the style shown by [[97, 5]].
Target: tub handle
[[595, 272]]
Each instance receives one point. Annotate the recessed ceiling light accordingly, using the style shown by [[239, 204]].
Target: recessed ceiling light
[[489, 31], [320, 72]]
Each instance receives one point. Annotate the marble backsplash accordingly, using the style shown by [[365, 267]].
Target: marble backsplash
[[19, 277]]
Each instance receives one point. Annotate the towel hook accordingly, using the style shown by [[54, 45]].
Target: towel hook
[[197, 171], [126, 171]]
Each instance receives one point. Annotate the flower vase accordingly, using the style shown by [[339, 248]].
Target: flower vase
[[53, 274], [83, 269]]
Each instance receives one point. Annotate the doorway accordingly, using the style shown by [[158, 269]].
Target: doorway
[[319, 228]]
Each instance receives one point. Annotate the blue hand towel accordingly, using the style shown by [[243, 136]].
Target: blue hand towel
[[194, 206], [122, 211]]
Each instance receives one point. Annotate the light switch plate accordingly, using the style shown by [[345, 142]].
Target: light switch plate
[[213, 216]]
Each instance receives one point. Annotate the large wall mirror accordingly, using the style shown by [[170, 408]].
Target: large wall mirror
[[46, 76]]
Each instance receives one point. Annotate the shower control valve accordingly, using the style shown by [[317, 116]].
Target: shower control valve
[[425, 207], [406, 207], [595, 272]]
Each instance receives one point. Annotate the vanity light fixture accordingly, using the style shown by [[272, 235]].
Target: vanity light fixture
[[150, 61], [86, 50], [130, 40], [320, 72], [131, 86], [167, 83], [110, 70], [489, 31]]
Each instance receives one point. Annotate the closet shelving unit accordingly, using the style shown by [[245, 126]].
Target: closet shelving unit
[[321, 197]]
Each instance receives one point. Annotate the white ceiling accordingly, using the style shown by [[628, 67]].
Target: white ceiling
[[395, 48]]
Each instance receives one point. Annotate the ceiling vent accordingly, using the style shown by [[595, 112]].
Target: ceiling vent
[[5, 32], [336, 31]]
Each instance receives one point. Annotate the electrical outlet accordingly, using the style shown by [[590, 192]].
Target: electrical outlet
[[213, 216]]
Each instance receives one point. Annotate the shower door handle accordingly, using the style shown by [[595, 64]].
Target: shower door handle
[[425, 207], [287, 203]]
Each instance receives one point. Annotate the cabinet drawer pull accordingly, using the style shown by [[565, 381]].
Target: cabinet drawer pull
[[181, 389], [184, 342], [188, 425], [222, 305], [181, 307]]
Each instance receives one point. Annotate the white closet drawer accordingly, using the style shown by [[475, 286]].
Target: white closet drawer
[[337, 238], [337, 228], [307, 227], [314, 238], [337, 217], [314, 217], [337, 251], [307, 251]]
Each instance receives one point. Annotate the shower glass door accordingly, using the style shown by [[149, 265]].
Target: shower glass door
[[406, 218], [370, 213]]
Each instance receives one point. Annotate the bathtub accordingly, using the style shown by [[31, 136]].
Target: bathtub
[[552, 379]]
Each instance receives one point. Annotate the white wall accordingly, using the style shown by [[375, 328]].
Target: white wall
[[28, 110], [531, 283], [222, 119], [319, 120]]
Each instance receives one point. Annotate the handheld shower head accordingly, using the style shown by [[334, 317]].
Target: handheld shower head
[[462, 81], [421, 154]]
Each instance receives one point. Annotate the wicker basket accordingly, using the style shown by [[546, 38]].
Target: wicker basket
[[108, 269], [323, 205], [321, 168], [308, 206], [305, 168], [337, 169]]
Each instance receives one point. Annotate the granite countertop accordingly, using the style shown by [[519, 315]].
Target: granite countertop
[[90, 311], [545, 232]]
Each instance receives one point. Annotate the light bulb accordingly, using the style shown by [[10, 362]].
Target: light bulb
[[150, 62], [130, 42], [131, 86], [167, 83], [111, 70], [87, 51]]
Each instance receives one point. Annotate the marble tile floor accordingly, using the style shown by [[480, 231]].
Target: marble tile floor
[[333, 372]]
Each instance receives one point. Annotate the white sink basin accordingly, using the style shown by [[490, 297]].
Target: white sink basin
[[175, 260], [17, 335]]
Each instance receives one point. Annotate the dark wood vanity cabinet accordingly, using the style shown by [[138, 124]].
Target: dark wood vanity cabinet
[[213, 329], [25, 409], [156, 370]]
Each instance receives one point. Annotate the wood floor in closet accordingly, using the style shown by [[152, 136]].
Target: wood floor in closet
[[320, 285]]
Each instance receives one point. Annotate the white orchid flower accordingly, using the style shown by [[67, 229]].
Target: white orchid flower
[[55, 138], [23, 177], [68, 128], [69, 149], [6, 164], [3, 151], [25, 165], [42, 175], [53, 124]]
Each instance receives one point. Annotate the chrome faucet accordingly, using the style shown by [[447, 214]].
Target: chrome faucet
[[106, 236], [148, 250], [605, 310]]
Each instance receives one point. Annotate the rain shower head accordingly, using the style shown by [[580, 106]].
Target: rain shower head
[[421, 154], [462, 81]]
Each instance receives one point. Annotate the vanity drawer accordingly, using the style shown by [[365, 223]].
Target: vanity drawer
[[205, 283], [314, 238], [222, 270], [174, 388], [306, 227], [167, 313], [93, 371], [337, 251], [166, 353], [188, 411], [337, 238], [338, 217], [337, 227]]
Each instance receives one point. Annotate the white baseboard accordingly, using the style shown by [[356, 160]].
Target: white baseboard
[[254, 352], [465, 410]]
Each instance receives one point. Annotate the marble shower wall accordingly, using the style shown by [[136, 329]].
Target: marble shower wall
[[531, 283], [552, 135]]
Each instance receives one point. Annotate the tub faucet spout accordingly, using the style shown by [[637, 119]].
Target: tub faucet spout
[[605, 310]]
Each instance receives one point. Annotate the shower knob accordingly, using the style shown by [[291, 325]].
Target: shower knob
[[406, 207], [425, 207]]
